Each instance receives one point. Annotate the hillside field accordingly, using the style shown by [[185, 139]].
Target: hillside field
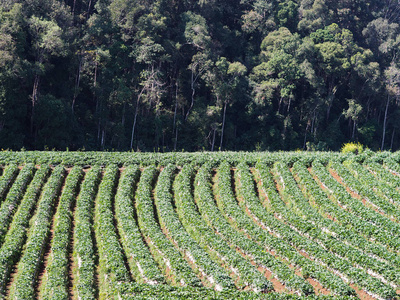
[[223, 225]]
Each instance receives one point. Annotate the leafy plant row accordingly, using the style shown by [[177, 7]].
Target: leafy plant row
[[16, 235], [201, 262], [388, 183], [28, 267], [172, 263], [166, 292], [142, 265], [354, 214], [357, 208], [352, 256], [91, 158], [55, 280], [366, 185], [112, 268], [84, 249], [14, 196], [228, 207], [7, 178], [244, 273], [285, 237], [351, 241]]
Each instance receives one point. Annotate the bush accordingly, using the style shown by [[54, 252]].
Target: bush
[[355, 148]]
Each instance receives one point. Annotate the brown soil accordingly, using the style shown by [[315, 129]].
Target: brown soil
[[318, 288], [361, 293], [11, 281]]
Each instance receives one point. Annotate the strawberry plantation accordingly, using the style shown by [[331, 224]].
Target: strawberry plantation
[[226, 225]]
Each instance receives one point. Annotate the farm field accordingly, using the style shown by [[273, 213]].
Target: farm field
[[87, 225]]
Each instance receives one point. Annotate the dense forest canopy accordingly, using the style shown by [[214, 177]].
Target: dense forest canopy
[[167, 75]]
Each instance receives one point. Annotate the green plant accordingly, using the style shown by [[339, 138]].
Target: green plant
[[355, 148]]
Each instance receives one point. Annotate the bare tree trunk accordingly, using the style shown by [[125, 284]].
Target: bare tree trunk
[[391, 142], [176, 138], [192, 83], [77, 82], [136, 113], [213, 140], [176, 108], [223, 126], [134, 121], [35, 92], [384, 122], [354, 130]]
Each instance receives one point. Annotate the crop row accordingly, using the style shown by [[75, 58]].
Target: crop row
[[354, 213], [349, 240], [211, 273], [83, 236], [330, 238], [171, 262], [358, 208], [389, 183], [7, 178], [366, 185], [16, 235], [112, 268], [287, 242], [247, 274], [23, 286], [142, 265], [15, 194], [54, 283], [227, 205]]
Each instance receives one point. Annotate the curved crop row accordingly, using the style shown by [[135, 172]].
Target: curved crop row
[[314, 193], [357, 208], [26, 277], [84, 250], [55, 281], [319, 252], [244, 273], [200, 261], [16, 235], [7, 178], [330, 237], [358, 216], [11, 202], [250, 203], [171, 262], [228, 206], [142, 265], [367, 186], [112, 269], [388, 183]]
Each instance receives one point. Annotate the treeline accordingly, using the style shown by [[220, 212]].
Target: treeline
[[167, 75]]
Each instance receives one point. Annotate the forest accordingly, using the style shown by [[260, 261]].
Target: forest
[[194, 75]]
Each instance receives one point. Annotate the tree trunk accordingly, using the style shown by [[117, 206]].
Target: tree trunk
[[77, 82], [213, 140], [174, 127], [391, 142], [35, 92], [223, 126], [384, 122], [354, 130], [192, 82]]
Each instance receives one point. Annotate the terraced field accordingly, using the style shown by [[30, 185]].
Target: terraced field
[[265, 226]]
